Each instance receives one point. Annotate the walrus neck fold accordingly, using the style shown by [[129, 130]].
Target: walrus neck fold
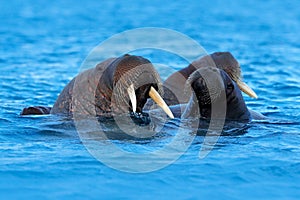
[[105, 88]]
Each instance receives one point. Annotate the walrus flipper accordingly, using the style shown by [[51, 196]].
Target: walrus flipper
[[36, 110]]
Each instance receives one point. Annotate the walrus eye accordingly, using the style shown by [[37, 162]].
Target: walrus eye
[[132, 96], [160, 102], [230, 86]]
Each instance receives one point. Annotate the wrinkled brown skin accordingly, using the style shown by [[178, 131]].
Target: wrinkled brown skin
[[91, 92], [174, 85], [86, 83], [63, 104]]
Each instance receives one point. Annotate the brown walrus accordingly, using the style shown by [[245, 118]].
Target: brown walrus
[[115, 86], [175, 83], [214, 87]]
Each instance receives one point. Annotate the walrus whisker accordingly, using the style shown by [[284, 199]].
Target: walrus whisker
[[245, 88], [132, 96], [132, 77], [160, 102]]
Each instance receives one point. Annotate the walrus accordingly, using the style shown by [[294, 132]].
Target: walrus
[[212, 86], [174, 84], [114, 86], [222, 90]]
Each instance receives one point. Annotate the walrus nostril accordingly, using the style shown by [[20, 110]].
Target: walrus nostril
[[214, 70]]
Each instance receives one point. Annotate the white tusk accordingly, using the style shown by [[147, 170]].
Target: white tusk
[[160, 102], [245, 88], [132, 96]]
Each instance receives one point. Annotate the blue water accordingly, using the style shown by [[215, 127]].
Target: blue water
[[43, 44]]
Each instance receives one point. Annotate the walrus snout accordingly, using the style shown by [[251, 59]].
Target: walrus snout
[[138, 98], [135, 80], [213, 86], [140, 118], [207, 84]]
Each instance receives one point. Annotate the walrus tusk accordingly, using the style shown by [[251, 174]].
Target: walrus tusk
[[132, 96], [160, 102], [245, 88]]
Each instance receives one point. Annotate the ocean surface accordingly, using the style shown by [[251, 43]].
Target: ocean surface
[[43, 44]]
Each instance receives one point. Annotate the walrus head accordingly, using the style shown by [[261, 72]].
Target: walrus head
[[221, 88], [226, 62], [126, 84]]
